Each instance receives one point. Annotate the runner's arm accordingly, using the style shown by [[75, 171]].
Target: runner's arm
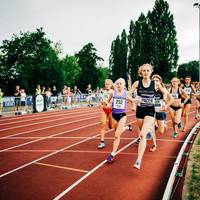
[[184, 95]]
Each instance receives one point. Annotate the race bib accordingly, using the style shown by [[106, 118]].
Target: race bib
[[188, 90], [158, 103], [147, 101], [119, 103], [175, 95], [105, 97]]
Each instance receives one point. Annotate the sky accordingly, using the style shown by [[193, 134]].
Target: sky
[[77, 22]]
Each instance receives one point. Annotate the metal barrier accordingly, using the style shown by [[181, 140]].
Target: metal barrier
[[170, 183], [13, 104]]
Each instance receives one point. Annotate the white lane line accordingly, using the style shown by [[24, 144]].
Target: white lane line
[[82, 113], [47, 121], [30, 142], [61, 167], [48, 127], [88, 151], [9, 172], [84, 137], [27, 138], [89, 173], [35, 115], [51, 136], [111, 138], [40, 115], [60, 150], [45, 117], [43, 157], [49, 113]]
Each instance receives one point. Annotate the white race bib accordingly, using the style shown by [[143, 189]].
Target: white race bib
[[175, 95], [105, 97], [159, 103], [188, 90], [119, 103], [147, 101]]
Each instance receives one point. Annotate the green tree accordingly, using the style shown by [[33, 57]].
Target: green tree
[[123, 55], [114, 59], [30, 59], [163, 39], [103, 74], [132, 63], [71, 70], [118, 57], [87, 60], [189, 69], [139, 45]]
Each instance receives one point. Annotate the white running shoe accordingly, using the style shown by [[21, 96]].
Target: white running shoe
[[101, 145]]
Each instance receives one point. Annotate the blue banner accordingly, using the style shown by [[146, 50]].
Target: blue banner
[[10, 101]]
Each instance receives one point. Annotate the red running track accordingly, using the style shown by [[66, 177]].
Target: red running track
[[49, 154]]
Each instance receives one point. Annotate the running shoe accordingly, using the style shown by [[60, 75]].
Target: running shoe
[[101, 145], [179, 125], [153, 148], [138, 141], [137, 164], [110, 158], [130, 128], [175, 134]]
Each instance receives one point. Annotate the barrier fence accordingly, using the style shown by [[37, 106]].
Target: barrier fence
[[17, 105]]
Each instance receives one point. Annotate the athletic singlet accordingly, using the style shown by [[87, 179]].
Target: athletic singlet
[[147, 94], [176, 95], [105, 95], [119, 103], [188, 89], [158, 100]]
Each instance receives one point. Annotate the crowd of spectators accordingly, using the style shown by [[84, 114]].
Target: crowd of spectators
[[66, 97]]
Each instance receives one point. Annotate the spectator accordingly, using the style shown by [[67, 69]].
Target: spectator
[[98, 94], [54, 91], [17, 95], [54, 96], [23, 99], [89, 95], [38, 90], [48, 97], [64, 93], [43, 90], [69, 96], [77, 94]]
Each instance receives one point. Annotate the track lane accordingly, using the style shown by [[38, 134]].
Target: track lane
[[35, 115], [92, 143], [39, 120]]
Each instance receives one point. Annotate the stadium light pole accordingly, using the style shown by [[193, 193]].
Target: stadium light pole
[[197, 5]]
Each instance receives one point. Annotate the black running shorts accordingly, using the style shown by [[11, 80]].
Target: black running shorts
[[141, 112]]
